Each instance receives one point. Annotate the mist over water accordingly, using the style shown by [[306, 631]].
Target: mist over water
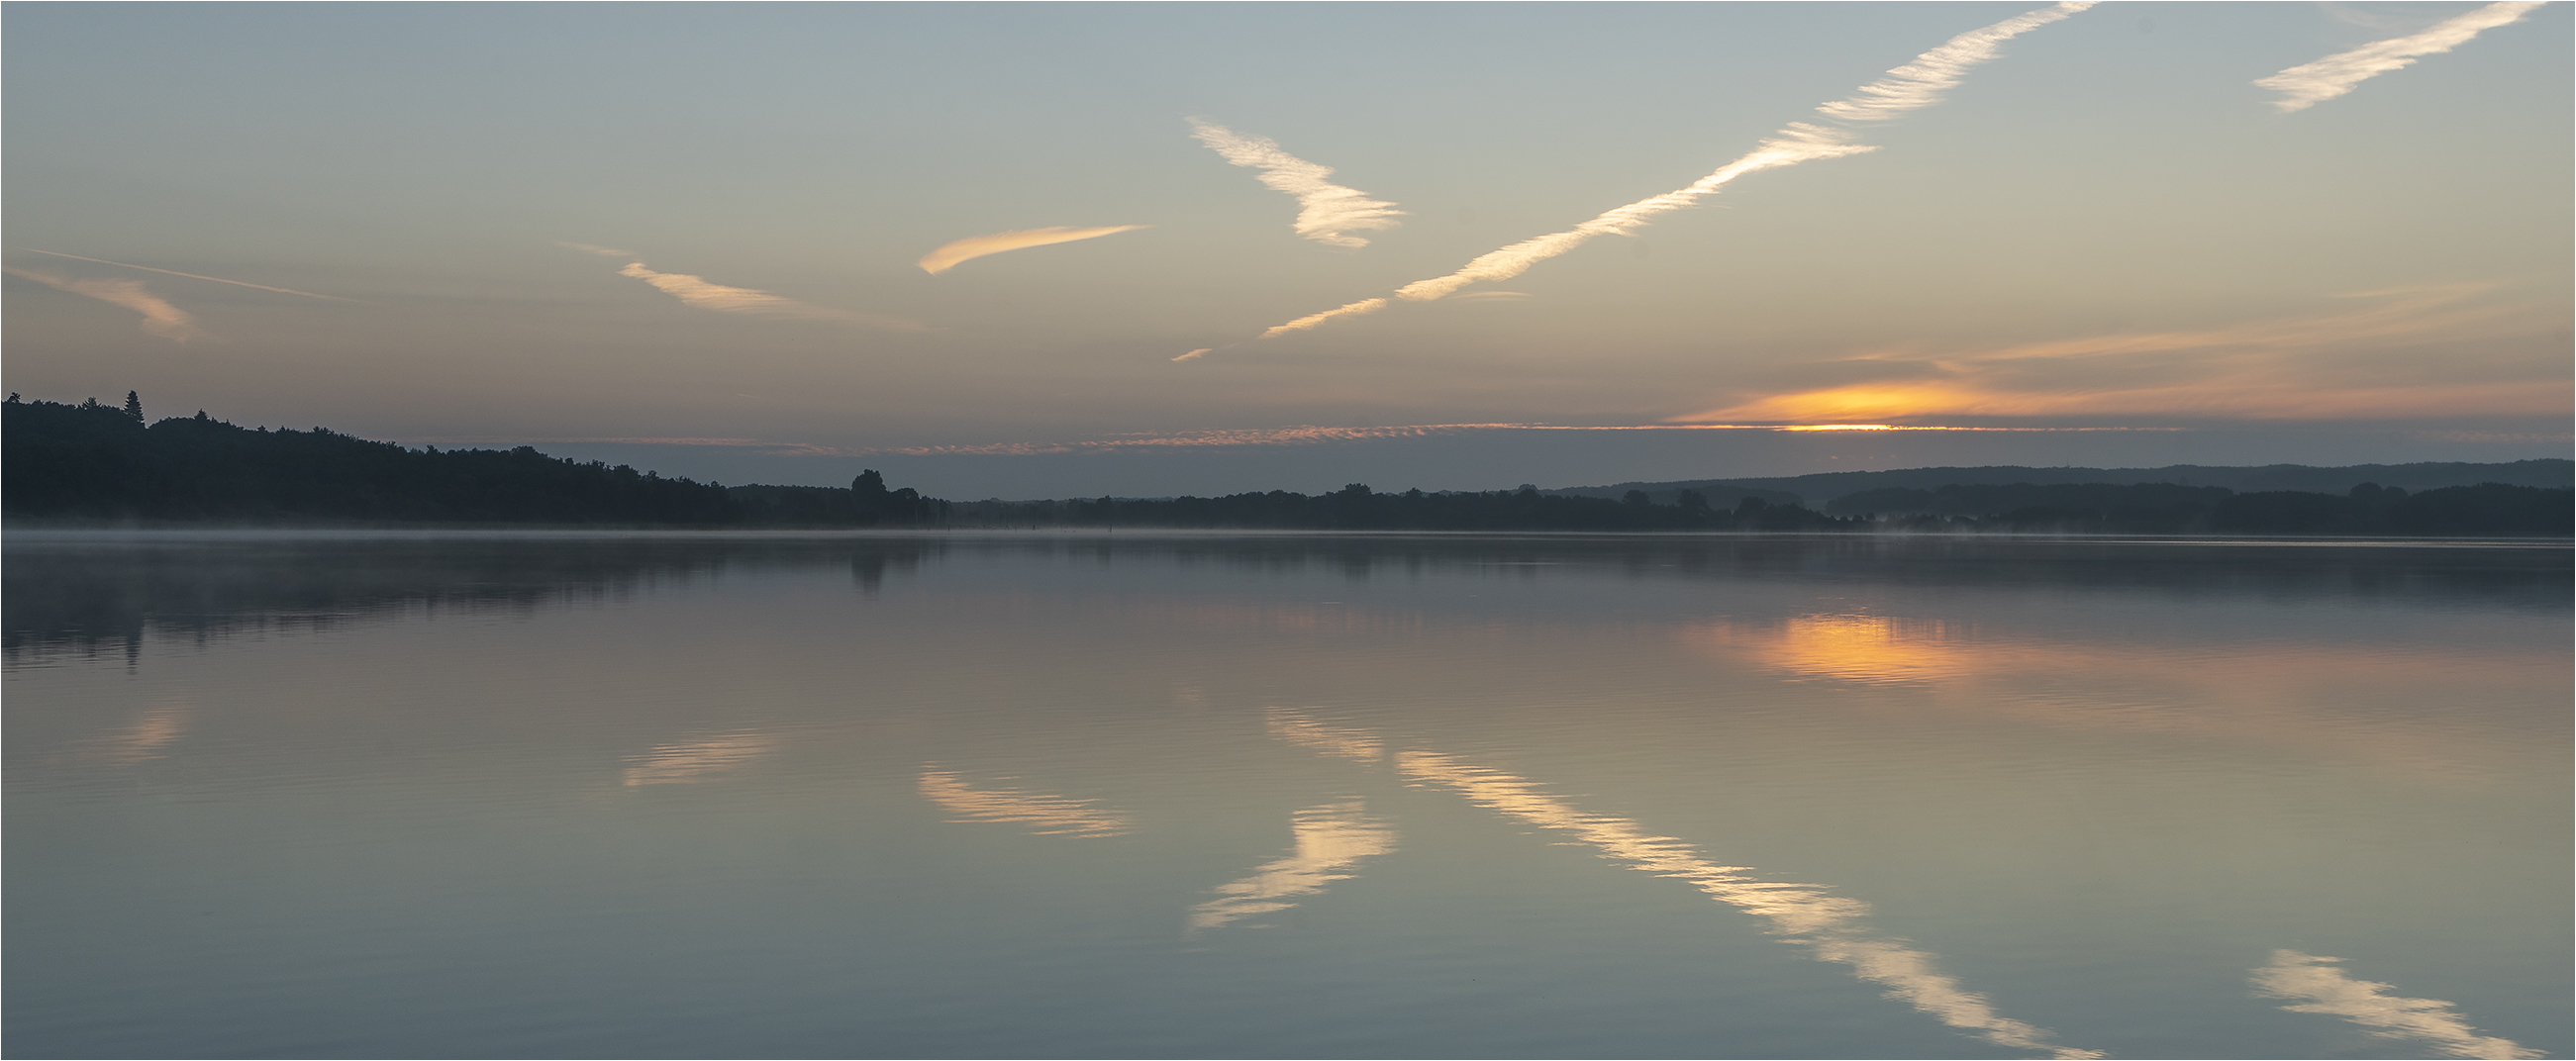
[[1283, 795]]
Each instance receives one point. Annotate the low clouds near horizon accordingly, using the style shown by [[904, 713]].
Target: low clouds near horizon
[[2344, 363]]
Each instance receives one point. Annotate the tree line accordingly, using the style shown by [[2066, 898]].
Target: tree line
[[102, 463], [92, 463], [2166, 508]]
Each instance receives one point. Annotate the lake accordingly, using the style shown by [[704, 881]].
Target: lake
[[1135, 795]]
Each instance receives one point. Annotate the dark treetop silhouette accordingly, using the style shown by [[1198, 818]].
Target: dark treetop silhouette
[[92, 463]]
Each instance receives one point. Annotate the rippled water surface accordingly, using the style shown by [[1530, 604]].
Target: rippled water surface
[[1311, 796]]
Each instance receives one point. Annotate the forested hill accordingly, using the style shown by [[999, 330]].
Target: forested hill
[[90, 464], [93, 463], [1825, 488]]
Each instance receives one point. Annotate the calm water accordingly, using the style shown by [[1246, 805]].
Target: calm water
[[1283, 796]]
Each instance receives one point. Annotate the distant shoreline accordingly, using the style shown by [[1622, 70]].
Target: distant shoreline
[[95, 467], [46, 532]]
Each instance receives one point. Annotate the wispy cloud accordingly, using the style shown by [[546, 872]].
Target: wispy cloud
[[2324, 988], [2302, 87], [2346, 363], [1905, 89], [1326, 212], [604, 252], [948, 255], [696, 291], [191, 276], [159, 318]]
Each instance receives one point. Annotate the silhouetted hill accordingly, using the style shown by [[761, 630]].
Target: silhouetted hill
[[1823, 488], [93, 463], [2165, 508], [1357, 507], [90, 464]]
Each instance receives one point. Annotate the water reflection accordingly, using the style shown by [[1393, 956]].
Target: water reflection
[[1330, 838], [692, 761], [299, 825], [2247, 691], [2328, 989], [1877, 649], [1807, 914], [145, 738], [1297, 729], [85, 592], [1048, 815]]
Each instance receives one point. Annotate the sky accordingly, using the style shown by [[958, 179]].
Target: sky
[[1076, 249]]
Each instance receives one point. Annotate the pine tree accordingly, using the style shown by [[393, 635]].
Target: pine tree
[[134, 406]]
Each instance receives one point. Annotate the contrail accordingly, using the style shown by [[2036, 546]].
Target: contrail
[[948, 255], [191, 276], [1905, 89], [2302, 87], [1324, 209], [696, 291], [159, 317]]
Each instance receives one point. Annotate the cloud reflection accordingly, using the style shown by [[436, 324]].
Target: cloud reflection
[[1832, 926], [1330, 839], [2328, 989], [2292, 695], [1305, 732], [685, 763], [1047, 815], [145, 738]]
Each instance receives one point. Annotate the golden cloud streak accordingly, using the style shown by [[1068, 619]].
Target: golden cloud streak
[[159, 318], [696, 291], [948, 255]]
